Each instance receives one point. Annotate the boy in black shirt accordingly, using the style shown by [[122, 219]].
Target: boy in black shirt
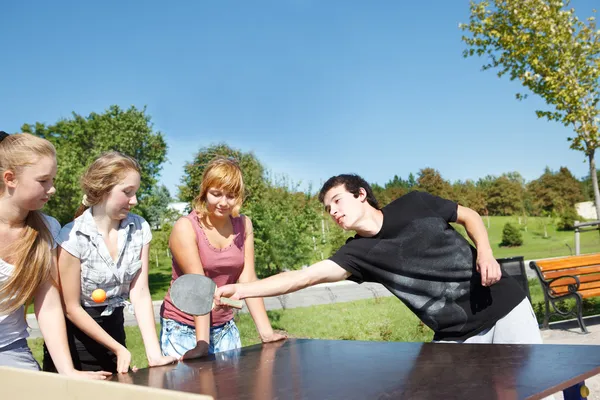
[[409, 246]]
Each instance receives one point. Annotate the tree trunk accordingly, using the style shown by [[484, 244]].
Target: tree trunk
[[594, 179]]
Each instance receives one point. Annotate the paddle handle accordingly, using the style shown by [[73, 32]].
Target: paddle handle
[[232, 303]]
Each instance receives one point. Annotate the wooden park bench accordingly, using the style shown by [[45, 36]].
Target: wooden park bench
[[576, 277]]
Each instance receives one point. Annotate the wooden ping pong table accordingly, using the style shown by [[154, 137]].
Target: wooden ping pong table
[[332, 369]]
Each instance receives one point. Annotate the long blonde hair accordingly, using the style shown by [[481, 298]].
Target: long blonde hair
[[106, 172], [222, 173], [32, 252]]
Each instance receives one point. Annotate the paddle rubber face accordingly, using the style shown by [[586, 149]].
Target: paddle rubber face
[[193, 294]]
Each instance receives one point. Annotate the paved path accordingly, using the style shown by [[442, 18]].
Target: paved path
[[569, 333]]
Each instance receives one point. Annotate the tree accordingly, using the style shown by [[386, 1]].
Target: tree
[[79, 140], [432, 182], [469, 195], [253, 171], [587, 188], [285, 220], [552, 53], [380, 194], [412, 182], [567, 220], [503, 195], [511, 236], [286, 228], [398, 182], [555, 192], [154, 206], [160, 237]]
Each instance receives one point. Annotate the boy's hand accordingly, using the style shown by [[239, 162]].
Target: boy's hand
[[489, 269], [230, 291]]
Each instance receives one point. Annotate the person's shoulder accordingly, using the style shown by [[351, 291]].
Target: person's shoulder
[[183, 226], [359, 242], [53, 224], [401, 201], [67, 235], [137, 220], [244, 219], [66, 229]]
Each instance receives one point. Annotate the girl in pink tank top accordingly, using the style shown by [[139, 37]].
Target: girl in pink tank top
[[214, 240]]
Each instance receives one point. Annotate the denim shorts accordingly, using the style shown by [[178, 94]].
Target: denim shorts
[[18, 355], [177, 338]]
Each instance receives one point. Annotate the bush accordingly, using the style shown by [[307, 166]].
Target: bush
[[567, 220], [511, 236]]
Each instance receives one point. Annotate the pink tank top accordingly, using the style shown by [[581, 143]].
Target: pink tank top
[[223, 266]]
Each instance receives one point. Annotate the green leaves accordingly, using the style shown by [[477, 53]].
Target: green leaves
[[555, 192], [79, 140], [287, 222], [192, 178], [551, 52]]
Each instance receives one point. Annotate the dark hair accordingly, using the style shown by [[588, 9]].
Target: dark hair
[[3, 135], [352, 183]]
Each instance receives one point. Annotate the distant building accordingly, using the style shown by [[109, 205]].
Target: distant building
[[587, 210], [179, 207]]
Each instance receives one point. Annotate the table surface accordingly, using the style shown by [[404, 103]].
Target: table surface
[[332, 369]]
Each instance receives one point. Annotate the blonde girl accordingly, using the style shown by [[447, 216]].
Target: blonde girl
[[106, 247], [28, 254]]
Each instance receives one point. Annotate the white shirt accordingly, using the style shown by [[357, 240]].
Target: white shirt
[[82, 240], [13, 326]]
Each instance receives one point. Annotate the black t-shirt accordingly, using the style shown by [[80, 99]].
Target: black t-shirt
[[424, 262]]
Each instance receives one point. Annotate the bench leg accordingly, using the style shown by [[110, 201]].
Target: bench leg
[[546, 323], [576, 392], [579, 306]]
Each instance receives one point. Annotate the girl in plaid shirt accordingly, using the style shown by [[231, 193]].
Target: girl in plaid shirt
[[28, 254], [106, 247]]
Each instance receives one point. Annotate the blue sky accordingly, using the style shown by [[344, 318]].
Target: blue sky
[[313, 88]]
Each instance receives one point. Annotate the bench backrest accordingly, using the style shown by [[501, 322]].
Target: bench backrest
[[515, 267], [585, 267]]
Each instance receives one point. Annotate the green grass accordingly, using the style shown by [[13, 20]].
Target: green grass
[[535, 245]]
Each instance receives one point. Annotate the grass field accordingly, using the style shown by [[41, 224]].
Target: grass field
[[535, 244]]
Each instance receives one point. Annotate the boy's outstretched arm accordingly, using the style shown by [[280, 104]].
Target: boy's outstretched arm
[[285, 282], [487, 265]]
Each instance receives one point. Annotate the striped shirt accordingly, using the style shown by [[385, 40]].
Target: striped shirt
[[82, 240]]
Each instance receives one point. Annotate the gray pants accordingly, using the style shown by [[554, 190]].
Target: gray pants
[[18, 355], [518, 327]]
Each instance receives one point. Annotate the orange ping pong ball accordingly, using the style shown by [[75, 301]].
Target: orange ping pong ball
[[98, 295]]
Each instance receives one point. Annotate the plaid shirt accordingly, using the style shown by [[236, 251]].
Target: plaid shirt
[[82, 240]]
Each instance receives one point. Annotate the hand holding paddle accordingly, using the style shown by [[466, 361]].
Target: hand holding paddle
[[194, 294], [226, 292]]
